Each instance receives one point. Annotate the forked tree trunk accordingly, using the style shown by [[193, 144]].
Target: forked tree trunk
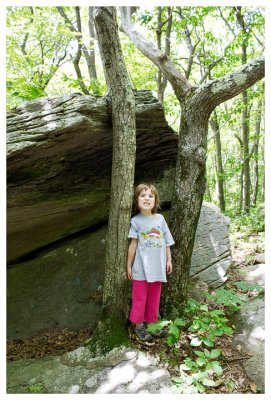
[[196, 104]]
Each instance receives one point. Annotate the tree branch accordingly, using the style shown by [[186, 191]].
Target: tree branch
[[219, 90], [180, 84]]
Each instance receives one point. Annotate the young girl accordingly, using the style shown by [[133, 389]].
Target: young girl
[[149, 259]]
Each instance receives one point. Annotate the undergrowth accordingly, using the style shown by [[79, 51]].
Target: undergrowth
[[202, 324]]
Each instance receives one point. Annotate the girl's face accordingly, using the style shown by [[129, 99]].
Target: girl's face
[[146, 201]]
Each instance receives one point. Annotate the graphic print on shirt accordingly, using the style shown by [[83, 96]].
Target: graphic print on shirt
[[153, 237]]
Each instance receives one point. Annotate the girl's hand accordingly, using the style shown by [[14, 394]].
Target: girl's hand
[[129, 273], [169, 266]]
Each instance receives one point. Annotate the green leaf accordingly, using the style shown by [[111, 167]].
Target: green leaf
[[174, 331], [208, 382], [200, 361], [171, 340], [179, 322], [215, 313], [157, 325], [184, 367], [216, 367], [215, 353], [208, 342], [207, 353], [218, 332], [199, 353]]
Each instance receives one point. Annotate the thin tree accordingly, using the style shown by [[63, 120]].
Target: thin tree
[[245, 114], [218, 161], [88, 53], [256, 153], [197, 104], [122, 107]]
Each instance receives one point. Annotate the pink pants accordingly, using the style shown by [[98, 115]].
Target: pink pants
[[145, 301]]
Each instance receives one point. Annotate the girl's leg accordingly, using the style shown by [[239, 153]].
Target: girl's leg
[[139, 298], [153, 302]]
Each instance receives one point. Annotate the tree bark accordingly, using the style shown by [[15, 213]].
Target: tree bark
[[218, 163], [196, 103], [161, 80], [256, 154], [122, 105], [245, 118]]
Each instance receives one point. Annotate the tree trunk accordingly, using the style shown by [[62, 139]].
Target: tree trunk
[[245, 117], [218, 164], [189, 188], [161, 80], [92, 63], [89, 55], [246, 158], [122, 105], [256, 154]]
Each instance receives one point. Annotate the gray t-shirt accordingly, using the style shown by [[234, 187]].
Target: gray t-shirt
[[153, 237]]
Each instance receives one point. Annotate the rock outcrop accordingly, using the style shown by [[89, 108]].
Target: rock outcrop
[[59, 154], [121, 371]]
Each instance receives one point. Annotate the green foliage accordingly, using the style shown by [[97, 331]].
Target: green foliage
[[203, 324], [202, 371], [36, 388], [19, 90], [249, 287], [228, 298], [253, 222]]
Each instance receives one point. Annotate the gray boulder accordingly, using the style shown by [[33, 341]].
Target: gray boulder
[[211, 255], [250, 335], [122, 370]]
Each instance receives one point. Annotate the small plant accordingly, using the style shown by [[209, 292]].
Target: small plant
[[202, 369], [229, 298], [249, 287], [174, 330], [36, 388], [202, 372]]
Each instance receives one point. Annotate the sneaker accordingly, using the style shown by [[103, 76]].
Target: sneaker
[[142, 333]]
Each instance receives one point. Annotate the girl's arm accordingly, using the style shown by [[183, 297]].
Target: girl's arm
[[131, 256], [169, 262]]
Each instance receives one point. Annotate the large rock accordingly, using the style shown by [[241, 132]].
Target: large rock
[[121, 371], [59, 154], [211, 255], [62, 286], [250, 328], [250, 336]]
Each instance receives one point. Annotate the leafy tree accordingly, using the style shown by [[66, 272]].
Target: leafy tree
[[41, 51], [197, 103]]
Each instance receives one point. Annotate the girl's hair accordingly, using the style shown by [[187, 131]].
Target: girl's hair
[[145, 186]]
